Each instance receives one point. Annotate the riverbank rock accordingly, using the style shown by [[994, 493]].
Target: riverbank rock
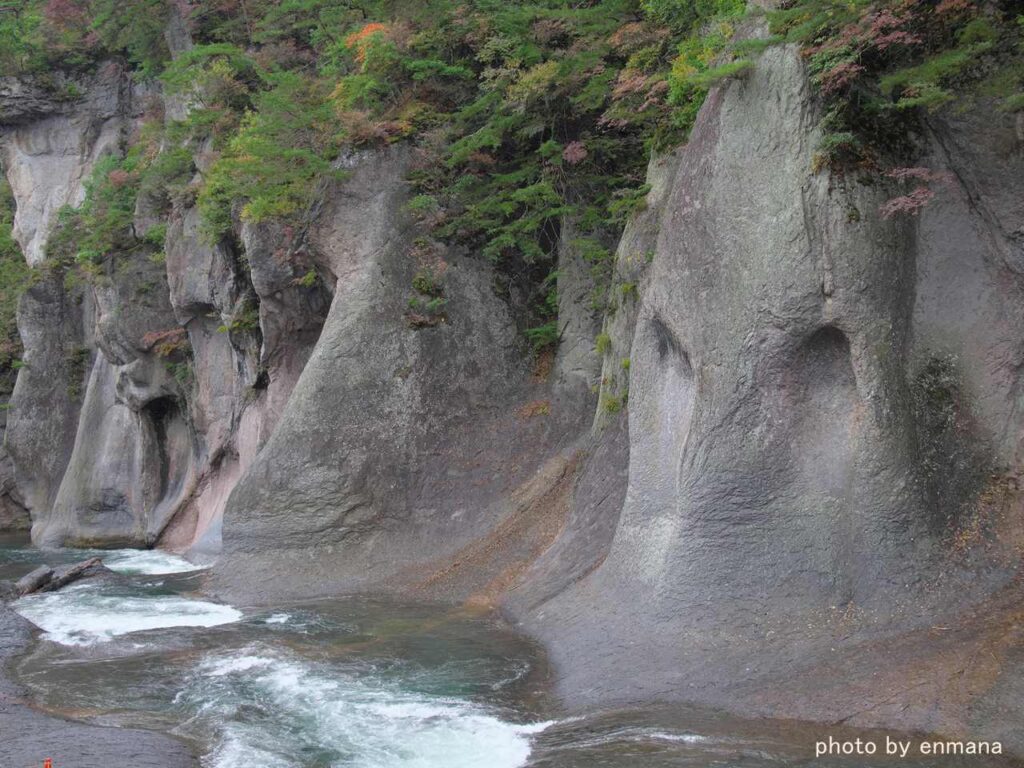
[[387, 486], [824, 434]]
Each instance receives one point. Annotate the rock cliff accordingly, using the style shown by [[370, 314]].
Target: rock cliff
[[800, 436], [822, 422]]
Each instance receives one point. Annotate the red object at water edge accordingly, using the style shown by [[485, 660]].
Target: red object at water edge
[[47, 763]]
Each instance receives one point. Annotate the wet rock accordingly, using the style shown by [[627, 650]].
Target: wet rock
[[47, 579]]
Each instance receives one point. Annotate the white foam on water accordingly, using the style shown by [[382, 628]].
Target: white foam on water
[[147, 562], [588, 739], [278, 618], [305, 713], [232, 664], [82, 615], [685, 738], [237, 752]]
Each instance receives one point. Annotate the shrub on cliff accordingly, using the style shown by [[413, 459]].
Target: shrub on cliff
[[270, 167], [37, 36], [103, 226], [876, 62]]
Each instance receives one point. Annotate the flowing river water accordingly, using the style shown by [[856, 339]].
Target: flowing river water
[[351, 683]]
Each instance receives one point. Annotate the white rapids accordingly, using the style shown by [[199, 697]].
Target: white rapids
[[146, 562], [263, 704], [358, 722], [85, 615]]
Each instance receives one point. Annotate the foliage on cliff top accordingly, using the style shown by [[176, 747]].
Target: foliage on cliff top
[[876, 62], [523, 112], [525, 115], [41, 35], [537, 97]]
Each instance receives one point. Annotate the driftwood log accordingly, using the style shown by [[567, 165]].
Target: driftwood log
[[47, 579]]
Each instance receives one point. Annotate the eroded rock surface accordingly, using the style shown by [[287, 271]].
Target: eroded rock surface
[[384, 460], [146, 391], [797, 440], [52, 142], [817, 397]]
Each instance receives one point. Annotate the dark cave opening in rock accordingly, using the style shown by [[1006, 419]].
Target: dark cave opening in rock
[[161, 413]]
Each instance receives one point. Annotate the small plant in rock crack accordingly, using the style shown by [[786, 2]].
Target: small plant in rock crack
[[426, 306], [182, 372], [418, 303], [543, 336], [156, 235], [427, 283], [167, 343], [77, 360], [613, 403], [247, 318], [921, 181], [308, 280]]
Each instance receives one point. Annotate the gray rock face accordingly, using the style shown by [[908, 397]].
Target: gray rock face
[[43, 416], [383, 460], [13, 514], [815, 394], [113, 441], [125, 465], [94, 432], [970, 261], [243, 372], [633, 256], [600, 489], [67, 330], [576, 363], [25, 100], [51, 153]]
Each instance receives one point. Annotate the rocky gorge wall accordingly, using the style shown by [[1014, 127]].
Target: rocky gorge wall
[[811, 455], [823, 429], [114, 442], [114, 446]]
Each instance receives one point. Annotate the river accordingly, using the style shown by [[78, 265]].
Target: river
[[351, 682]]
